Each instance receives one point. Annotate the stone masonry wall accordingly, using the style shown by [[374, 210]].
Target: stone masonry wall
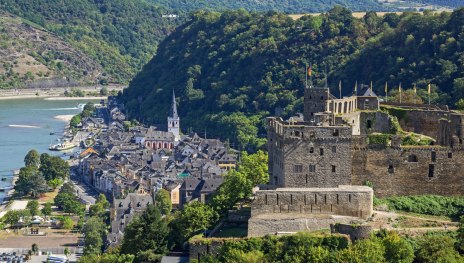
[[355, 201], [410, 170], [316, 156]]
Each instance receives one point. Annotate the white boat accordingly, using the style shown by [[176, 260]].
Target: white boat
[[62, 146]]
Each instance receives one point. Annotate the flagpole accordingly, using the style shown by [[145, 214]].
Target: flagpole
[[429, 93], [340, 88], [386, 91], [306, 75], [399, 88], [311, 75]]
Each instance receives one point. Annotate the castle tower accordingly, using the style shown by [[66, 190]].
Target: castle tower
[[174, 120]]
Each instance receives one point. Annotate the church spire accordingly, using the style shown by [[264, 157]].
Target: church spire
[[174, 106]]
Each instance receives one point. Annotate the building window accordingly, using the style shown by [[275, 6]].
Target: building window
[[334, 169], [297, 133], [311, 150], [321, 151], [334, 149], [312, 168], [431, 170], [434, 156], [450, 155], [412, 158], [335, 132], [297, 168]]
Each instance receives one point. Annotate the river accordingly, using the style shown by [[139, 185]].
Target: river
[[26, 124]]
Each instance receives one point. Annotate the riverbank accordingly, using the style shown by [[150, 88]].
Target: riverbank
[[55, 93], [78, 98], [65, 118]]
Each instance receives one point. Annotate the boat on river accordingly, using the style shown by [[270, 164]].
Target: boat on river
[[62, 146]]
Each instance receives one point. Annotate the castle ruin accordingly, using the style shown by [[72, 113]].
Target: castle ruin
[[319, 164]]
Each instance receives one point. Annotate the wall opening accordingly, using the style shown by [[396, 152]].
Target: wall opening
[[450, 155], [335, 132], [434, 156], [321, 151], [325, 199], [315, 199], [431, 171], [334, 149], [369, 124], [311, 150], [334, 168], [337, 199], [412, 158], [297, 133], [349, 198], [391, 169]]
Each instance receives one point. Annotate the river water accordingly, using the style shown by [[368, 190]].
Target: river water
[[26, 124]]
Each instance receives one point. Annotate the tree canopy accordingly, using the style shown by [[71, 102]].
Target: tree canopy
[[231, 70]]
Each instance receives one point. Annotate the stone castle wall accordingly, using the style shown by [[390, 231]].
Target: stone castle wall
[[355, 201], [410, 170], [308, 156]]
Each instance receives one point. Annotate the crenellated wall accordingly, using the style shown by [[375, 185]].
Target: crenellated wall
[[353, 201]]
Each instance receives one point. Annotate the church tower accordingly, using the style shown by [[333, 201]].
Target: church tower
[[174, 120]]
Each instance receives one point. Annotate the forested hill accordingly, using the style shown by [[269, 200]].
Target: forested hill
[[120, 35], [286, 6], [233, 69]]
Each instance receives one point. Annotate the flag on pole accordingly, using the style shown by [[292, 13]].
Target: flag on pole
[[415, 89], [310, 71], [371, 85], [356, 88], [399, 88]]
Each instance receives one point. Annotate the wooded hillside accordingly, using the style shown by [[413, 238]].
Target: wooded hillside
[[233, 69]]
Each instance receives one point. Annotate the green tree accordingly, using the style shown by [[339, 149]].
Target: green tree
[[460, 104], [236, 186], [397, 250], [163, 201], [47, 209], [67, 222], [104, 91], [33, 207], [437, 249], [364, 251], [255, 167], [37, 185], [146, 235], [32, 158], [194, 218], [12, 216], [94, 230], [53, 167], [22, 184]]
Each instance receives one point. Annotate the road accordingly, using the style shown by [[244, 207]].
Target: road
[[84, 192]]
